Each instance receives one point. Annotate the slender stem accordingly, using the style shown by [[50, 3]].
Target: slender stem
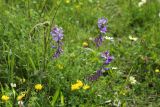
[[43, 7], [123, 86], [55, 14], [45, 49]]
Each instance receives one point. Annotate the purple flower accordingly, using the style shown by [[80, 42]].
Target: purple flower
[[105, 54], [98, 40], [106, 69], [57, 34], [95, 76], [103, 29], [107, 57], [102, 25], [58, 52], [101, 22], [108, 60]]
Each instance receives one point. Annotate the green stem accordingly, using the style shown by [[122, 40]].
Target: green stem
[[43, 7], [45, 49], [55, 14]]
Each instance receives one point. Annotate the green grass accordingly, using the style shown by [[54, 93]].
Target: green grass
[[26, 56]]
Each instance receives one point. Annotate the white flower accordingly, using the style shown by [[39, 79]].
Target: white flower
[[109, 38], [114, 68], [20, 103], [89, 49], [133, 38], [91, 39], [117, 103], [108, 101], [142, 2], [13, 85], [132, 80], [159, 14]]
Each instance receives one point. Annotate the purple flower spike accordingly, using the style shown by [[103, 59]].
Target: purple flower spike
[[57, 34], [58, 52], [98, 40]]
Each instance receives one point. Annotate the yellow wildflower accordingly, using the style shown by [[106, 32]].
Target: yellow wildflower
[[74, 87], [20, 97], [79, 83], [85, 44], [4, 98], [86, 87], [157, 70], [38, 87]]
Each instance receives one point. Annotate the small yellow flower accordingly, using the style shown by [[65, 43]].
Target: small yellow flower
[[86, 87], [85, 44], [4, 98], [79, 83], [20, 97], [38, 87], [74, 87], [157, 70]]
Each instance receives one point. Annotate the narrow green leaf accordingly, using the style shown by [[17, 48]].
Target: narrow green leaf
[[62, 99], [32, 63], [55, 97]]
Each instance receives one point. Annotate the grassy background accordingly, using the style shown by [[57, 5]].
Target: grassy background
[[22, 27]]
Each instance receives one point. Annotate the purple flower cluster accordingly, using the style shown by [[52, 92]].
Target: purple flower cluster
[[107, 59], [103, 29], [98, 40], [102, 25], [57, 36]]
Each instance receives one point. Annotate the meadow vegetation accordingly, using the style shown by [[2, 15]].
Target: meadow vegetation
[[80, 53]]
